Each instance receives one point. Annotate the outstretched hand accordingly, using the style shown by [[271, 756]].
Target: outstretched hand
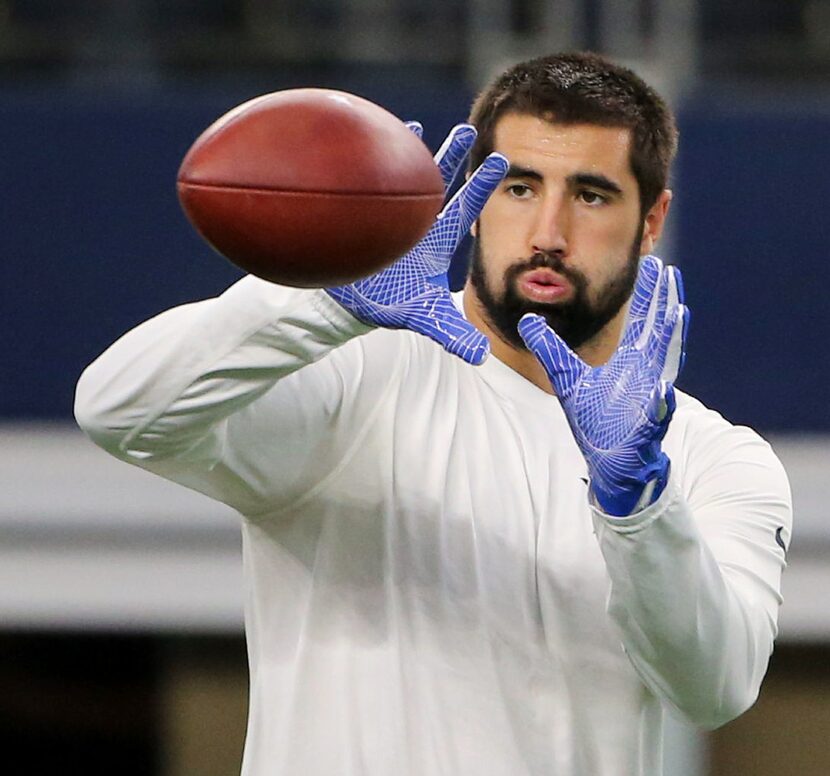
[[619, 412], [413, 293]]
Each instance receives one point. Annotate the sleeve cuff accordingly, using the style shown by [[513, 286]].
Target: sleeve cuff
[[336, 315], [637, 521]]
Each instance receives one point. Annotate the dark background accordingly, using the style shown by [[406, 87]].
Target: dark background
[[94, 241]]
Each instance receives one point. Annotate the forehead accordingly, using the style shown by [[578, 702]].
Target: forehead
[[531, 141]]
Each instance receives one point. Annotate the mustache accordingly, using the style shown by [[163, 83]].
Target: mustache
[[543, 260], [550, 260]]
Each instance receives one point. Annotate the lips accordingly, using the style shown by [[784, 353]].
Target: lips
[[544, 285]]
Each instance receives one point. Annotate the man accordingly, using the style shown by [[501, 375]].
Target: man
[[458, 564]]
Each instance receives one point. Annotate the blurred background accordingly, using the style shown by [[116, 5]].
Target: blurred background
[[120, 596]]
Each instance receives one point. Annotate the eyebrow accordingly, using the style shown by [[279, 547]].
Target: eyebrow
[[517, 171], [595, 180]]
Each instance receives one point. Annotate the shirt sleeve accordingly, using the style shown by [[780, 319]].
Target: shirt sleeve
[[207, 394], [696, 576]]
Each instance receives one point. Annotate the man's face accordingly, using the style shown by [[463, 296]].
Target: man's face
[[561, 235]]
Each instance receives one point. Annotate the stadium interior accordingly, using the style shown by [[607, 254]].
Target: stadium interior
[[120, 596]]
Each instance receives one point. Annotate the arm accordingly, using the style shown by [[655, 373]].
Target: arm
[[695, 570], [696, 576], [161, 397], [192, 394]]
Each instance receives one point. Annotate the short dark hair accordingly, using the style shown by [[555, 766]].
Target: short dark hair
[[584, 88]]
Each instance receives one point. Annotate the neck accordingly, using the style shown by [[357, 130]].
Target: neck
[[595, 352]]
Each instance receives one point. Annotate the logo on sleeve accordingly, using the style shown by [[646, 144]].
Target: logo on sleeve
[[778, 538]]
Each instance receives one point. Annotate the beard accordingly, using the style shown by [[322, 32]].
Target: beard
[[576, 321]]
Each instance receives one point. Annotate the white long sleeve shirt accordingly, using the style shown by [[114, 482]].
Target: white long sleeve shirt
[[428, 591]]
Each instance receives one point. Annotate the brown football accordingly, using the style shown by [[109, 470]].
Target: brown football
[[310, 187]]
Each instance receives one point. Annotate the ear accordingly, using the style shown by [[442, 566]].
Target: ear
[[654, 222]]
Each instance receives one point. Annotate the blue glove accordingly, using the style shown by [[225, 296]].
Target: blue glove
[[619, 412], [413, 293]]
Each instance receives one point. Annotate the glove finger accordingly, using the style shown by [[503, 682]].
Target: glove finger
[[464, 208], [652, 337], [676, 355], [672, 351], [435, 316], [661, 405], [563, 367], [666, 345], [415, 127], [453, 151], [432, 256], [677, 294], [648, 277]]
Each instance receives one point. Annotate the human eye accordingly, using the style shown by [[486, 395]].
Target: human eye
[[519, 190], [592, 198]]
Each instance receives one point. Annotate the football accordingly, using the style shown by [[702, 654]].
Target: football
[[310, 187]]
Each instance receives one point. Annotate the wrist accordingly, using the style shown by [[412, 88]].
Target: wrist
[[335, 307], [624, 497]]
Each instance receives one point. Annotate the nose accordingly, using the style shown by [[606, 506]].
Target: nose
[[551, 227]]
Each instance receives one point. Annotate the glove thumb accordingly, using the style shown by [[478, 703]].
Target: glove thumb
[[563, 367]]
